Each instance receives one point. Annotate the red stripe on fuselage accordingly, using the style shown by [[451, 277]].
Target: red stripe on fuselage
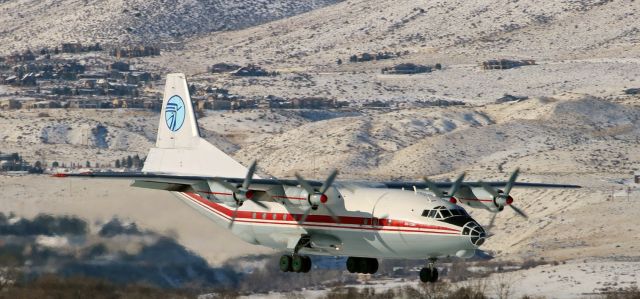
[[477, 199], [318, 220]]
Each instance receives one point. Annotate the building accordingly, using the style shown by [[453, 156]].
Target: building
[[504, 64], [252, 70], [221, 104], [43, 105], [10, 104], [223, 67], [120, 66], [71, 47], [407, 69]]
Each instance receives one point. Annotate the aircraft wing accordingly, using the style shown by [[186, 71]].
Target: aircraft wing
[[447, 185], [186, 180], [174, 181]]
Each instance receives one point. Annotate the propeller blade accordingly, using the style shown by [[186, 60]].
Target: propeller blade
[[305, 215], [490, 226], [520, 212], [512, 180], [233, 217], [247, 179], [333, 215], [227, 185], [329, 181], [433, 187], [489, 189], [259, 204], [304, 184], [456, 185]]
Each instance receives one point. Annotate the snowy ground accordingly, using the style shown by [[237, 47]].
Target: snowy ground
[[576, 278], [573, 279]]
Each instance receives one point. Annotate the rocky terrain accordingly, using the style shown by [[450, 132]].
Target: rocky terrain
[[47, 23], [598, 57]]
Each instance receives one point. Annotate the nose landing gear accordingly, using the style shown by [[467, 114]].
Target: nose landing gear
[[429, 273]]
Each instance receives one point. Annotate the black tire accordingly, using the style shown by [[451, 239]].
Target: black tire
[[434, 275], [425, 275], [297, 264], [363, 265], [352, 264], [372, 266], [285, 263], [306, 264]]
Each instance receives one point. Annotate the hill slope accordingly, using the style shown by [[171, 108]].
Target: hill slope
[[50, 22], [460, 30]]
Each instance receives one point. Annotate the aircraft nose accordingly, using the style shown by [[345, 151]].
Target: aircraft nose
[[475, 232]]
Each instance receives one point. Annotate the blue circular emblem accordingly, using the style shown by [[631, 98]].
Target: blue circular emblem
[[174, 113]]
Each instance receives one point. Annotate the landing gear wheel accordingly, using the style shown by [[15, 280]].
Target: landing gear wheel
[[372, 266], [352, 264], [306, 264], [362, 265], [285, 263], [429, 274], [297, 263]]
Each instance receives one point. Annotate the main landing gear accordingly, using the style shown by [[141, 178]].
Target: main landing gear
[[295, 263], [362, 265], [430, 272]]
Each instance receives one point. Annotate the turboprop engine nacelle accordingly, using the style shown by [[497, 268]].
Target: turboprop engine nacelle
[[300, 197], [224, 194]]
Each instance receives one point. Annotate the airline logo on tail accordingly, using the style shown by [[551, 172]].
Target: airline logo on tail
[[174, 113]]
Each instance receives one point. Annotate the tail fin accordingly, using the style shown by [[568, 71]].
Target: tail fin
[[178, 126], [179, 147]]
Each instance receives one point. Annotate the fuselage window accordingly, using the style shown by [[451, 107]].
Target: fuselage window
[[275, 216], [253, 215], [264, 215]]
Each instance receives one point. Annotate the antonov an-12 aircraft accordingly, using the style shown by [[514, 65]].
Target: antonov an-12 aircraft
[[361, 221]]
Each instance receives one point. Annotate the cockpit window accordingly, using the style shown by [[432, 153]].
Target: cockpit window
[[441, 212], [457, 212]]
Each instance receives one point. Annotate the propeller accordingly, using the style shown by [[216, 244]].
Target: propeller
[[502, 198], [317, 197], [242, 193], [452, 192]]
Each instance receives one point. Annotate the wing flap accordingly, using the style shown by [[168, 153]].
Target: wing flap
[[160, 185]]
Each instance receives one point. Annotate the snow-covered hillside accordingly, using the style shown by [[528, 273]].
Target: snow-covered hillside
[[30, 23]]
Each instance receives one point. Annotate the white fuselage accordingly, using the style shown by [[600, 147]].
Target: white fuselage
[[376, 223]]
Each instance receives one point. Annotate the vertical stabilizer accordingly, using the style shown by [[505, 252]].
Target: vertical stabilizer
[[178, 127], [179, 147]]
